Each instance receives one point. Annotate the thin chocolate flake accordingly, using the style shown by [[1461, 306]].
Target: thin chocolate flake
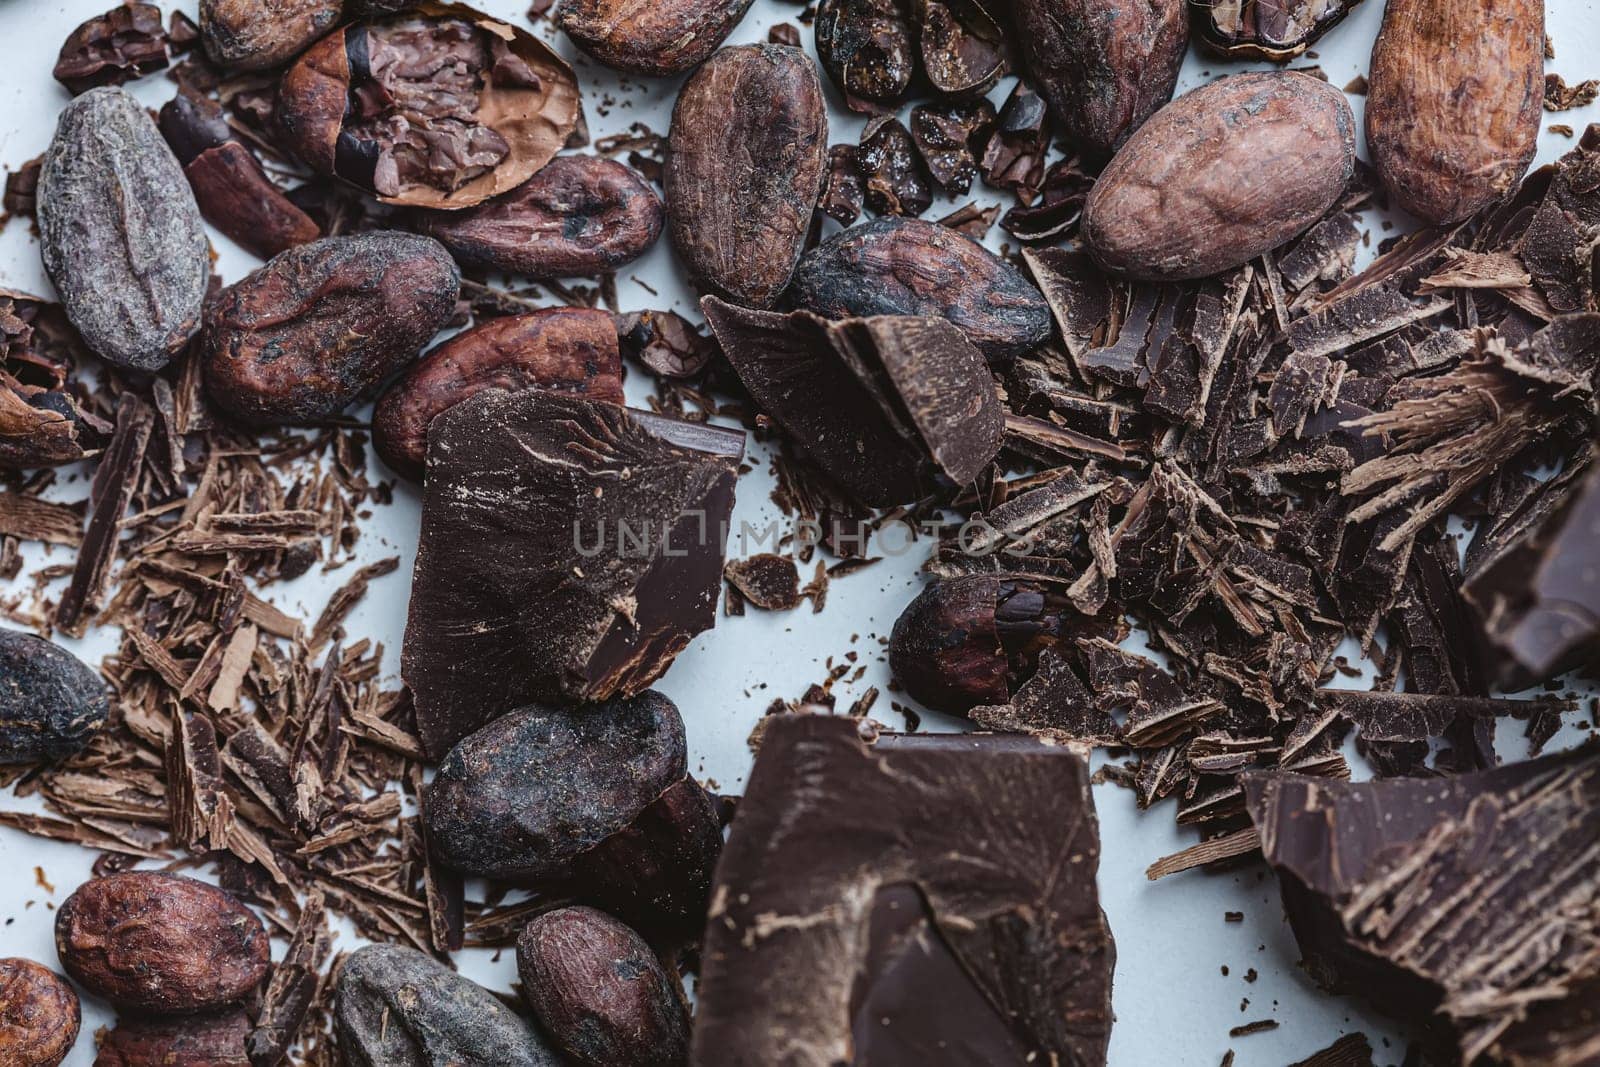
[[346, 598], [1260, 1026]]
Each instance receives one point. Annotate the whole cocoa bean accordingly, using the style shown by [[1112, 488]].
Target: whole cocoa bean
[[1453, 102], [600, 992], [324, 322], [39, 1015], [120, 232], [568, 350], [1104, 66], [744, 166], [893, 266], [395, 1007], [51, 703], [868, 48], [257, 34], [580, 215], [177, 1041], [1221, 175], [658, 869], [161, 942], [526, 794], [657, 39]]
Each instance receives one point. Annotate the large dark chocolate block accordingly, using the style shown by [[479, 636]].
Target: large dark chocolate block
[[924, 900], [569, 551]]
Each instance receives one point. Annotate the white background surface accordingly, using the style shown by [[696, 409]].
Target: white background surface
[[1183, 974]]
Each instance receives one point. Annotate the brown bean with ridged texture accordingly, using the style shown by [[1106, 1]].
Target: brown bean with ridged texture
[[566, 350], [1453, 101], [1221, 175], [1104, 66], [39, 1015], [257, 34], [324, 322], [161, 942], [658, 38], [177, 1041], [580, 215], [744, 166], [600, 992]]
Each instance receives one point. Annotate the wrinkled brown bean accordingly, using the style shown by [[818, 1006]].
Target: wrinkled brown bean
[[1105, 66], [257, 34], [580, 215], [744, 167], [568, 350], [39, 1015], [660, 38], [869, 50], [51, 703], [178, 1041], [161, 942], [1221, 175], [599, 991], [321, 324], [1453, 101]]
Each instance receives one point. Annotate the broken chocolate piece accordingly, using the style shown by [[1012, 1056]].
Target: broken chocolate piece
[[769, 581], [926, 899], [570, 549]]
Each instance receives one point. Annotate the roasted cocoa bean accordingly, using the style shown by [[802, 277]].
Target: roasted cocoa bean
[[658, 869], [600, 992], [868, 48], [895, 179], [1105, 66], [120, 232], [39, 1015], [395, 1007], [963, 48], [1221, 175], [842, 196], [1454, 97], [125, 43], [322, 323], [909, 267], [657, 39], [526, 794], [443, 108], [161, 942], [740, 228], [1266, 29], [51, 703], [567, 350], [580, 215], [177, 1041], [257, 34], [948, 136]]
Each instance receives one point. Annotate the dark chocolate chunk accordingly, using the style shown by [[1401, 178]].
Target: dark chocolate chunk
[[926, 899]]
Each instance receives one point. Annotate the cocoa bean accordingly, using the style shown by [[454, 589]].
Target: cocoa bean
[[120, 232], [895, 179], [896, 266], [740, 227], [963, 48], [666, 344], [51, 703], [658, 39], [868, 48], [257, 34], [1267, 29], [658, 869], [322, 323], [1221, 175], [567, 350], [1104, 66], [39, 1015], [177, 1041], [125, 43], [161, 942], [1454, 97], [395, 1007], [526, 794], [580, 215], [600, 992]]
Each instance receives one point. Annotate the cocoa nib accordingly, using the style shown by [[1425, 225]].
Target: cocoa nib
[[41, 1018], [868, 49], [51, 703], [568, 350], [552, 600], [125, 43], [1266, 29], [658, 39], [666, 344], [41, 421], [895, 180]]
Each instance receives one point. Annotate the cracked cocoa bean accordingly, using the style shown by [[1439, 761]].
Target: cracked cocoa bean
[[1266, 29], [257, 34], [565, 350], [895, 178], [868, 48], [1454, 96], [744, 166], [177, 1041], [579, 216], [125, 43], [39, 1015], [893, 266], [51, 703], [1221, 175], [322, 323], [161, 942], [963, 48], [395, 1007], [120, 232], [657, 39], [600, 992], [1105, 66], [658, 869], [666, 344]]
